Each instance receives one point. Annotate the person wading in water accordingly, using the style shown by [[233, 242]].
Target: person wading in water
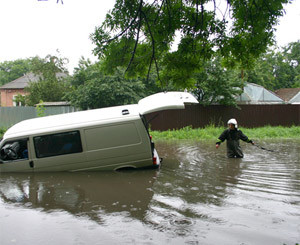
[[233, 136]]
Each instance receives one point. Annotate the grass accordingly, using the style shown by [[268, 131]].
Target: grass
[[212, 132]]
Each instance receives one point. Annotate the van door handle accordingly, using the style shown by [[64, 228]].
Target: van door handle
[[31, 164]]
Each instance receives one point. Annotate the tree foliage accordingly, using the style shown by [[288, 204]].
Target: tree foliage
[[11, 70], [215, 84], [139, 34], [52, 84], [292, 54], [278, 68], [46, 90], [49, 66], [92, 88]]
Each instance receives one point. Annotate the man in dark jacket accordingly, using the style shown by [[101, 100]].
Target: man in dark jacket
[[233, 136]]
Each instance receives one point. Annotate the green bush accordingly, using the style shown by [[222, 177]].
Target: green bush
[[2, 131]]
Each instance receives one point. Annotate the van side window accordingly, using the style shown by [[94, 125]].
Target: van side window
[[14, 150], [57, 144]]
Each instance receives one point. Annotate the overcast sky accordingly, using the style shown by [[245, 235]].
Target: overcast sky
[[31, 27]]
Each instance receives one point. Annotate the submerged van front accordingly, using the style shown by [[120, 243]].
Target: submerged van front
[[101, 139]]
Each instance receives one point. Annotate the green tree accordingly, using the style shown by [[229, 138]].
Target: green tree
[[20, 100], [139, 35], [84, 71], [11, 70], [46, 90], [93, 88], [292, 58], [278, 68], [215, 84], [49, 66], [52, 84], [99, 90], [40, 109], [292, 51], [282, 72], [262, 71]]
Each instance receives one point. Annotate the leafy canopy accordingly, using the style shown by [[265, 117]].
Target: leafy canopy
[[52, 84], [214, 84], [140, 35], [11, 70], [93, 89], [278, 68]]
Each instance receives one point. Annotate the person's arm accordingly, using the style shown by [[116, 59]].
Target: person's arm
[[218, 144], [222, 137], [245, 138]]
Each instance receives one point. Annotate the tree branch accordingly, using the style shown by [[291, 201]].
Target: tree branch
[[137, 36], [153, 47], [122, 32]]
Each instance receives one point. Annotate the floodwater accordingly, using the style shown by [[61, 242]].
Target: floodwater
[[198, 196]]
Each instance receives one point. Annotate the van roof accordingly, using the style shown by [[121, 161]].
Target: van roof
[[72, 120], [152, 103]]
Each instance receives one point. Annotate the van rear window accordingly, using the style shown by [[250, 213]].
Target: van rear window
[[57, 144]]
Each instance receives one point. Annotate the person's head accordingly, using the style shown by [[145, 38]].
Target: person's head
[[232, 124]]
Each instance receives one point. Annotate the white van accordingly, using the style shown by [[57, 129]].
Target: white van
[[102, 139]]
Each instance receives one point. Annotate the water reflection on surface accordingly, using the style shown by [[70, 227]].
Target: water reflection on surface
[[197, 197]]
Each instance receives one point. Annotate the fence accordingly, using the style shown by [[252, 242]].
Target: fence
[[12, 115], [199, 116], [196, 116]]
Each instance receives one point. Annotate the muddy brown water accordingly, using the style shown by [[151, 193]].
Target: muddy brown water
[[198, 196]]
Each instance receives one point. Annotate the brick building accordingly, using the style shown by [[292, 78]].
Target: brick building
[[12, 89]]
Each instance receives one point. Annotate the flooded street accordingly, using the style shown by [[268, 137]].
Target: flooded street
[[198, 196]]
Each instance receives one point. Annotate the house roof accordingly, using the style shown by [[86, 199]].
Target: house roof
[[22, 82], [287, 94]]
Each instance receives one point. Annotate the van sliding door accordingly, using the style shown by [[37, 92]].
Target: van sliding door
[[58, 152]]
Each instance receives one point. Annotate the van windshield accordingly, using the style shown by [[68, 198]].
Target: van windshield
[[14, 150]]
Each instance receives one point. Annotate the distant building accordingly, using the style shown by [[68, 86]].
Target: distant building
[[12, 89], [289, 95], [256, 94], [53, 108]]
